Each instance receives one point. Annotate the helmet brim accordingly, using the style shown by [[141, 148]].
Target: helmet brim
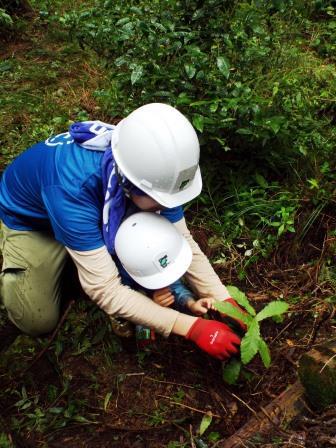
[[171, 200], [171, 273]]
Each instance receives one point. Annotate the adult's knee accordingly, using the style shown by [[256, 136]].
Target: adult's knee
[[24, 307]]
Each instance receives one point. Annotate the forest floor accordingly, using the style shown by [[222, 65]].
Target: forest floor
[[88, 388]]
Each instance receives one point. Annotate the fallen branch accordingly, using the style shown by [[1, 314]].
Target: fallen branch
[[317, 372], [286, 406], [188, 407]]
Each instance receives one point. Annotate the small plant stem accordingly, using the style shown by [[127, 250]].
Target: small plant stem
[[52, 337], [188, 407]]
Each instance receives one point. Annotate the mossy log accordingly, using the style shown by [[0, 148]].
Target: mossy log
[[276, 414], [317, 373]]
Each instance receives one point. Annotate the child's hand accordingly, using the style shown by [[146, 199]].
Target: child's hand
[[201, 306], [163, 297]]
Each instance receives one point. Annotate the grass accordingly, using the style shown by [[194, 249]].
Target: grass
[[46, 82]]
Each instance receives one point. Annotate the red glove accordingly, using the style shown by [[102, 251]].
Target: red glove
[[215, 338], [235, 304]]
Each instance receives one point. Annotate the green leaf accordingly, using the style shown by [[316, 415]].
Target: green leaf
[[190, 70], [245, 131], [81, 419], [99, 336], [136, 73], [281, 229], [275, 308], [231, 371], [275, 123], [24, 393], [224, 66], [214, 436], [214, 107], [198, 122], [205, 423], [250, 343], [230, 310], [241, 299], [107, 400], [56, 410], [264, 353], [261, 180]]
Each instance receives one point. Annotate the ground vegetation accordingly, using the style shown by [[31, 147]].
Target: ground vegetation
[[258, 81]]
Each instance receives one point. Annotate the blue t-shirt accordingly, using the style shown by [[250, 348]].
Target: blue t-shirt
[[57, 185]]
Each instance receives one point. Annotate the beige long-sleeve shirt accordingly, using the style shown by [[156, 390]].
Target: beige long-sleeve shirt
[[100, 280]]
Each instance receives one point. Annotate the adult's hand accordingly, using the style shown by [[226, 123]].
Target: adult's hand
[[215, 338]]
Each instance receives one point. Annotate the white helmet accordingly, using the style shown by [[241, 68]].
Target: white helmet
[[157, 149], [152, 250]]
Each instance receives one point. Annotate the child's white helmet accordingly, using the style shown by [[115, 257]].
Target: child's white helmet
[[152, 250], [157, 149]]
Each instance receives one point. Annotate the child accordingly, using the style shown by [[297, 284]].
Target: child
[[155, 239]]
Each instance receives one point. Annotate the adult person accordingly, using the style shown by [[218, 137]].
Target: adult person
[[67, 196]]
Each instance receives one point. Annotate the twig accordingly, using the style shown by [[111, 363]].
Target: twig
[[329, 360], [280, 333], [188, 407], [191, 437], [142, 429], [132, 374], [52, 337], [273, 423], [176, 384], [244, 403]]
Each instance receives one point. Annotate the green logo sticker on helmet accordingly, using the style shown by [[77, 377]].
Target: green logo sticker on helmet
[[184, 184], [164, 261]]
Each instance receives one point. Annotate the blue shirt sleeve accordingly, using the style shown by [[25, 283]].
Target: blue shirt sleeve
[[181, 294], [174, 214]]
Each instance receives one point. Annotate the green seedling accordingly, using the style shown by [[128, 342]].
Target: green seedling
[[252, 342]]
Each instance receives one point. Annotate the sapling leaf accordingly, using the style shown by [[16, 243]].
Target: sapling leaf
[[227, 308], [241, 299], [275, 308], [205, 423], [250, 343], [231, 371], [264, 353]]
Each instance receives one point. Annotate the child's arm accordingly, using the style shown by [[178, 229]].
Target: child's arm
[[182, 298]]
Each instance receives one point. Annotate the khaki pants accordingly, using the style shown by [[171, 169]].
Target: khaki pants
[[30, 280]]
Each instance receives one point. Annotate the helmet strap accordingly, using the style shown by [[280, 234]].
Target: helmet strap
[[122, 181]]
